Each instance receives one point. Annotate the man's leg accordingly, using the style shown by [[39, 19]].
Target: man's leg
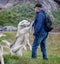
[[43, 48], [34, 47]]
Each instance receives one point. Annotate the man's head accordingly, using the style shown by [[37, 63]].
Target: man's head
[[37, 7]]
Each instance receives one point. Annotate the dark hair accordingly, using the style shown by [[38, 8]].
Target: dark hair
[[38, 5]]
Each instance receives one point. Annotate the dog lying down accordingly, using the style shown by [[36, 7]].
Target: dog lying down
[[22, 38], [1, 55]]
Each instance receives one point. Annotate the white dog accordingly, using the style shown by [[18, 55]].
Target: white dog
[[22, 38], [1, 55]]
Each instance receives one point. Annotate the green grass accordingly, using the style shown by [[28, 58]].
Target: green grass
[[53, 49], [27, 60], [56, 15], [17, 13]]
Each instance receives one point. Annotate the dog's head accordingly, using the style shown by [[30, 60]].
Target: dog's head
[[24, 22], [23, 25]]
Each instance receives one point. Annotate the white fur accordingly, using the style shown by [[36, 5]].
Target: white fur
[[1, 55], [22, 38]]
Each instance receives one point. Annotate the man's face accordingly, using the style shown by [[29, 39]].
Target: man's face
[[37, 9]]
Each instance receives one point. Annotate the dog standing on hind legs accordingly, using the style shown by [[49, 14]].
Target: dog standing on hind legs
[[22, 39], [23, 29]]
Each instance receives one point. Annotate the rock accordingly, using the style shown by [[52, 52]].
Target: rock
[[46, 3], [2, 28], [10, 28], [8, 5]]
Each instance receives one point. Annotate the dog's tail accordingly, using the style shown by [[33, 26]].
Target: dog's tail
[[7, 42]]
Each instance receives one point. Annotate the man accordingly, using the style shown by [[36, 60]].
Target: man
[[39, 32]]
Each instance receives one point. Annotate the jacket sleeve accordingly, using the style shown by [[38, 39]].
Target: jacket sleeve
[[38, 26]]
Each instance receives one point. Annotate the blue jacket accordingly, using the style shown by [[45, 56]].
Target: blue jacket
[[39, 23]]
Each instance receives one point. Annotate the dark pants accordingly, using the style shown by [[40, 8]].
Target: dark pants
[[40, 40]]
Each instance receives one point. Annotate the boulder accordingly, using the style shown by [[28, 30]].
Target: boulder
[[46, 3], [10, 28]]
